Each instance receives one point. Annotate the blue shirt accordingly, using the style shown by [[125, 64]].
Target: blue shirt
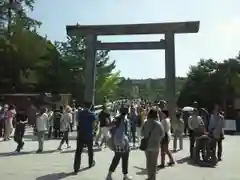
[[85, 120]]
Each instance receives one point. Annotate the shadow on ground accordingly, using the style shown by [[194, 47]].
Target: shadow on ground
[[62, 175], [55, 176], [30, 137], [189, 161], [7, 154], [142, 171], [183, 160], [84, 150]]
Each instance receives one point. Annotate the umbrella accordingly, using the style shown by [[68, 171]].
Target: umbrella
[[187, 108]]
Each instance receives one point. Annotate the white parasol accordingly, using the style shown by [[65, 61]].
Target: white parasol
[[187, 108]]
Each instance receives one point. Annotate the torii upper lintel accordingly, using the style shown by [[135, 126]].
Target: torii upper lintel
[[131, 29]]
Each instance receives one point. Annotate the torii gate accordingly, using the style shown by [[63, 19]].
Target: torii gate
[[168, 29]]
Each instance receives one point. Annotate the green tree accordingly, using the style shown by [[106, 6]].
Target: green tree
[[23, 52], [109, 87], [73, 53], [10, 16], [211, 82]]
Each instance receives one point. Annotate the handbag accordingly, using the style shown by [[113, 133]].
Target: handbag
[[144, 141]]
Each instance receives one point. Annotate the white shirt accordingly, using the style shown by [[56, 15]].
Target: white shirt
[[74, 115], [42, 122], [216, 125], [167, 126], [50, 118], [194, 122], [65, 121]]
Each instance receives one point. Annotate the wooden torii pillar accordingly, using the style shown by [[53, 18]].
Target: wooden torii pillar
[[168, 29]]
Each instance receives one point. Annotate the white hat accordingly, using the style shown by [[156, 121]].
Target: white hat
[[68, 108]]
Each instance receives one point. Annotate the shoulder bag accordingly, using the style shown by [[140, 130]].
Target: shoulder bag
[[144, 141]]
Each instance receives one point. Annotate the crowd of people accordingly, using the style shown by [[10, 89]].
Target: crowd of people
[[45, 122], [133, 124]]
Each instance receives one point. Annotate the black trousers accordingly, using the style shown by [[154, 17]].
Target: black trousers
[[217, 148], [116, 159], [71, 127], [57, 133], [133, 133], [81, 142], [50, 129], [192, 142], [18, 135], [65, 137], [2, 127], [185, 128]]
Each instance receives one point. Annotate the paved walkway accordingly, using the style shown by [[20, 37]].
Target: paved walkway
[[54, 165]]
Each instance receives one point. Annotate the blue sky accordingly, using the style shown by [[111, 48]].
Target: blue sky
[[218, 38]]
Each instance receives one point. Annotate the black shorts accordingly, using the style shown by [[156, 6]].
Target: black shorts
[[165, 139]]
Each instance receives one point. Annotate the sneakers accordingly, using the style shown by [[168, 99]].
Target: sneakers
[[109, 177], [161, 166], [126, 177], [39, 151], [171, 163], [60, 147], [92, 165]]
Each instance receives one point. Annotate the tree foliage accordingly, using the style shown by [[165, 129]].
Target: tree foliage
[[73, 54], [21, 48], [32, 64], [211, 82]]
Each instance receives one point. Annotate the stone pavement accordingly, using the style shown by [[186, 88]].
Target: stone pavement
[[54, 165]]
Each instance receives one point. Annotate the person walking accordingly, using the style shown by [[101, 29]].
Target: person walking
[[86, 123], [50, 123], [56, 122], [178, 130], [194, 123], [121, 145], [3, 117], [185, 119], [153, 131], [74, 115], [41, 127], [65, 122], [139, 125], [21, 121], [104, 119], [133, 123], [9, 122], [215, 127], [165, 141]]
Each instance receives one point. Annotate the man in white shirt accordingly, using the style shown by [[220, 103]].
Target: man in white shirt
[[41, 126], [194, 122], [216, 125]]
